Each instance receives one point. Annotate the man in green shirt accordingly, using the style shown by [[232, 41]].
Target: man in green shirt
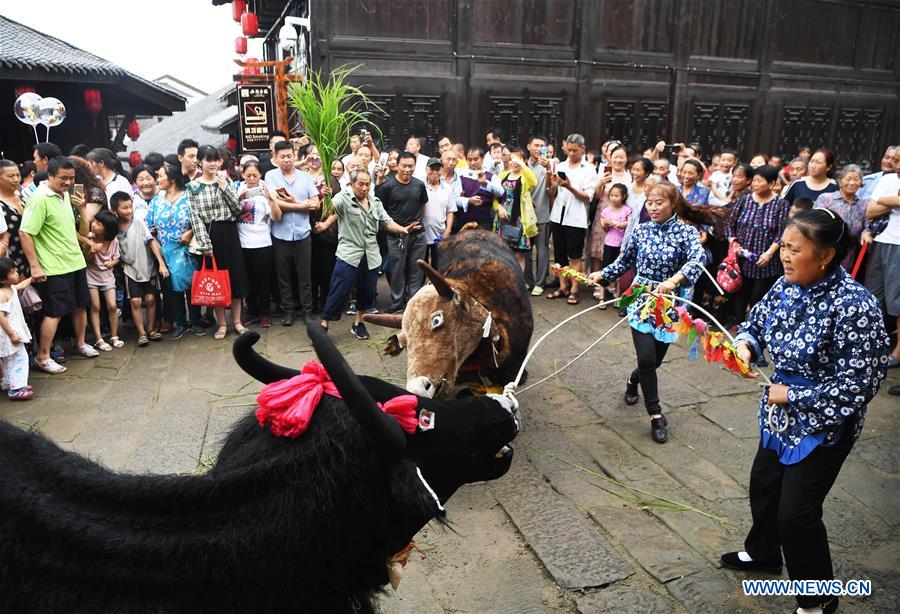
[[50, 242], [358, 257]]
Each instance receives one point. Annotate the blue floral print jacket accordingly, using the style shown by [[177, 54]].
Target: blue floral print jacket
[[829, 344]]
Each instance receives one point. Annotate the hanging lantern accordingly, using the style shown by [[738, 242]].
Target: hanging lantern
[[25, 89], [232, 144], [135, 158], [250, 68], [93, 102], [134, 130], [240, 45], [249, 24], [238, 8]]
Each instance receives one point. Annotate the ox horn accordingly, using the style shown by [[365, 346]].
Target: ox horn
[[380, 427], [440, 284], [388, 320], [255, 365]]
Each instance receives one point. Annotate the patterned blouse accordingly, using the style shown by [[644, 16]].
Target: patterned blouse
[[170, 219], [210, 203], [828, 342], [13, 221], [853, 213], [697, 196], [658, 251], [756, 226]]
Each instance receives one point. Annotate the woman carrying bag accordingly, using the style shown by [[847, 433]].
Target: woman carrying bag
[[214, 210], [514, 217]]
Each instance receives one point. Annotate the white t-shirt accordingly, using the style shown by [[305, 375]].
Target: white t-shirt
[[440, 203], [117, 184], [568, 210], [254, 227], [141, 207], [722, 183], [889, 185]]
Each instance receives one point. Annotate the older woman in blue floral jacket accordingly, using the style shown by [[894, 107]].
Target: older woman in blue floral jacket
[[825, 335]]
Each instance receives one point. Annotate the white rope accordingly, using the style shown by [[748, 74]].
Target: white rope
[[566, 366]]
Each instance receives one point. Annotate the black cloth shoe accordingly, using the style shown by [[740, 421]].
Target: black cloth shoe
[[359, 331], [731, 561], [177, 333], [631, 393], [658, 429], [288, 318], [198, 331]]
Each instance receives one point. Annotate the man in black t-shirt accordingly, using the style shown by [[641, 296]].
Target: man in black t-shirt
[[404, 198]]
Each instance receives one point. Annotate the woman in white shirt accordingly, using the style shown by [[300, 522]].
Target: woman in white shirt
[[258, 209]]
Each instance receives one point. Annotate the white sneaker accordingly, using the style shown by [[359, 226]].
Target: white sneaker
[[87, 351], [537, 291], [51, 366]]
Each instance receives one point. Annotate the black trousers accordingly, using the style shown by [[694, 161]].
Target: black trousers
[[749, 295], [786, 504], [650, 353], [292, 262], [323, 261], [259, 263]]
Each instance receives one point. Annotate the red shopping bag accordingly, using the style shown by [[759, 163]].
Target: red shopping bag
[[729, 275], [211, 288]]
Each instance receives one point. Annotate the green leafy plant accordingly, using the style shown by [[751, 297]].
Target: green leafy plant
[[330, 109]]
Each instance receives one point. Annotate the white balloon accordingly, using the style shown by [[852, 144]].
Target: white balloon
[[51, 112], [26, 110]]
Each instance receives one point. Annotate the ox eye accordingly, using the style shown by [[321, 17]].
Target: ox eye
[[437, 320]]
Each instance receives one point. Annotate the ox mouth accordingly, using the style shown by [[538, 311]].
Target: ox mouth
[[504, 452]]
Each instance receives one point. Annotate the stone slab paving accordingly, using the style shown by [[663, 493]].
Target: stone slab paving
[[523, 543]]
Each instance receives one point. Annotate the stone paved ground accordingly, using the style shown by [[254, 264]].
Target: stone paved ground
[[547, 537]]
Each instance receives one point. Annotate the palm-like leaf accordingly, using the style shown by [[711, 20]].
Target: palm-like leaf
[[330, 110]]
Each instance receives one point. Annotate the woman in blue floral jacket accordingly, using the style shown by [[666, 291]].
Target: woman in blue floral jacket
[[667, 255], [825, 335]]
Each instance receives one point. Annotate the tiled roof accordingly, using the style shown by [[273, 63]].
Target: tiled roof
[[188, 124], [24, 48]]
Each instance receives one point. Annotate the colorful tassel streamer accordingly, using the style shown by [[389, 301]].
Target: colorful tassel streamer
[[570, 274]]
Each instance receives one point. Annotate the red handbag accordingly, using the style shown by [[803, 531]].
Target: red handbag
[[211, 288], [729, 274]]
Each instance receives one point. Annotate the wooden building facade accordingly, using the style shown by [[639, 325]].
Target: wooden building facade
[[753, 75]]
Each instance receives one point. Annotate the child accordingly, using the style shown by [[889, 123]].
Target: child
[[799, 204], [100, 276], [14, 333], [614, 219], [140, 274]]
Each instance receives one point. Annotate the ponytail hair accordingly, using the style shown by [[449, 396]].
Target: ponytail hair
[[824, 229], [717, 217]]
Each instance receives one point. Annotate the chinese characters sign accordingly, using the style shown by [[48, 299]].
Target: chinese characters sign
[[257, 116]]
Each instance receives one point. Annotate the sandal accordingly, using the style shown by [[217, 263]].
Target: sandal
[[221, 332], [116, 342], [103, 346], [240, 328], [143, 341], [557, 294], [573, 299], [155, 335]]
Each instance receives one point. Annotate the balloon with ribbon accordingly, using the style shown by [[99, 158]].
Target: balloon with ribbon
[[51, 112], [26, 110]]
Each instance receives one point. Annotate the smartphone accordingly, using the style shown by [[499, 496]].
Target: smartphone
[[253, 192], [562, 175], [553, 167], [382, 159], [78, 190], [543, 150]]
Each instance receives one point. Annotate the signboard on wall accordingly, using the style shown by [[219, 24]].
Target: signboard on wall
[[256, 112]]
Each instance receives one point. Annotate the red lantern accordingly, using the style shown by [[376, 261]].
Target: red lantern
[[93, 102], [135, 158], [134, 130], [240, 45], [249, 24], [25, 89], [250, 69], [238, 8], [232, 144]]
